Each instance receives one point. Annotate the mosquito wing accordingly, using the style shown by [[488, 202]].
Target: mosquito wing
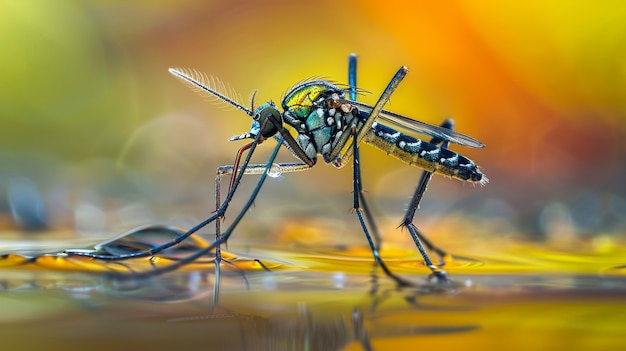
[[423, 128]]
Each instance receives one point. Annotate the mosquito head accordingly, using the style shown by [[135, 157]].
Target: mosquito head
[[266, 121]]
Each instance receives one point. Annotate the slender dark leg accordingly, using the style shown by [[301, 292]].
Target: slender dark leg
[[357, 208], [366, 210], [219, 213], [225, 235], [352, 76], [407, 222], [408, 219], [218, 221]]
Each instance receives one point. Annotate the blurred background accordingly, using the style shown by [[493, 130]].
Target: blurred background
[[97, 137]]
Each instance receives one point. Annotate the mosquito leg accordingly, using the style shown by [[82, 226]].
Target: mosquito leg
[[352, 59], [352, 76], [285, 139], [277, 168], [352, 65], [250, 169], [360, 199], [370, 219], [225, 235], [218, 221], [372, 224], [219, 213], [359, 212], [407, 222], [417, 197]]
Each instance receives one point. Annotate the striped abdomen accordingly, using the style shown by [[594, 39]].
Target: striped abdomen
[[423, 154]]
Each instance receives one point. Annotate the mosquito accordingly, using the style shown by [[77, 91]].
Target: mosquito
[[322, 118]]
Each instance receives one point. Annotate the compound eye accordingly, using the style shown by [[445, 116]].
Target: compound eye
[[269, 117], [258, 113], [261, 111]]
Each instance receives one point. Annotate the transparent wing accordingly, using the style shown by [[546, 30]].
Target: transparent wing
[[423, 128]]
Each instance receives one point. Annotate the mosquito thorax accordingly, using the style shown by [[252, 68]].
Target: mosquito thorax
[[303, 98], [320, 113]]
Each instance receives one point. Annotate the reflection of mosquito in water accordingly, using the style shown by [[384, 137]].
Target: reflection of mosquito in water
[[328, 123], [320, 328]]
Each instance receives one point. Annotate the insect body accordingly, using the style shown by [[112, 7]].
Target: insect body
[[423, 154], [329, 124], [320, 113]]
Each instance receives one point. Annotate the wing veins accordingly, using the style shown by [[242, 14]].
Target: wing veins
[[423, 128]]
